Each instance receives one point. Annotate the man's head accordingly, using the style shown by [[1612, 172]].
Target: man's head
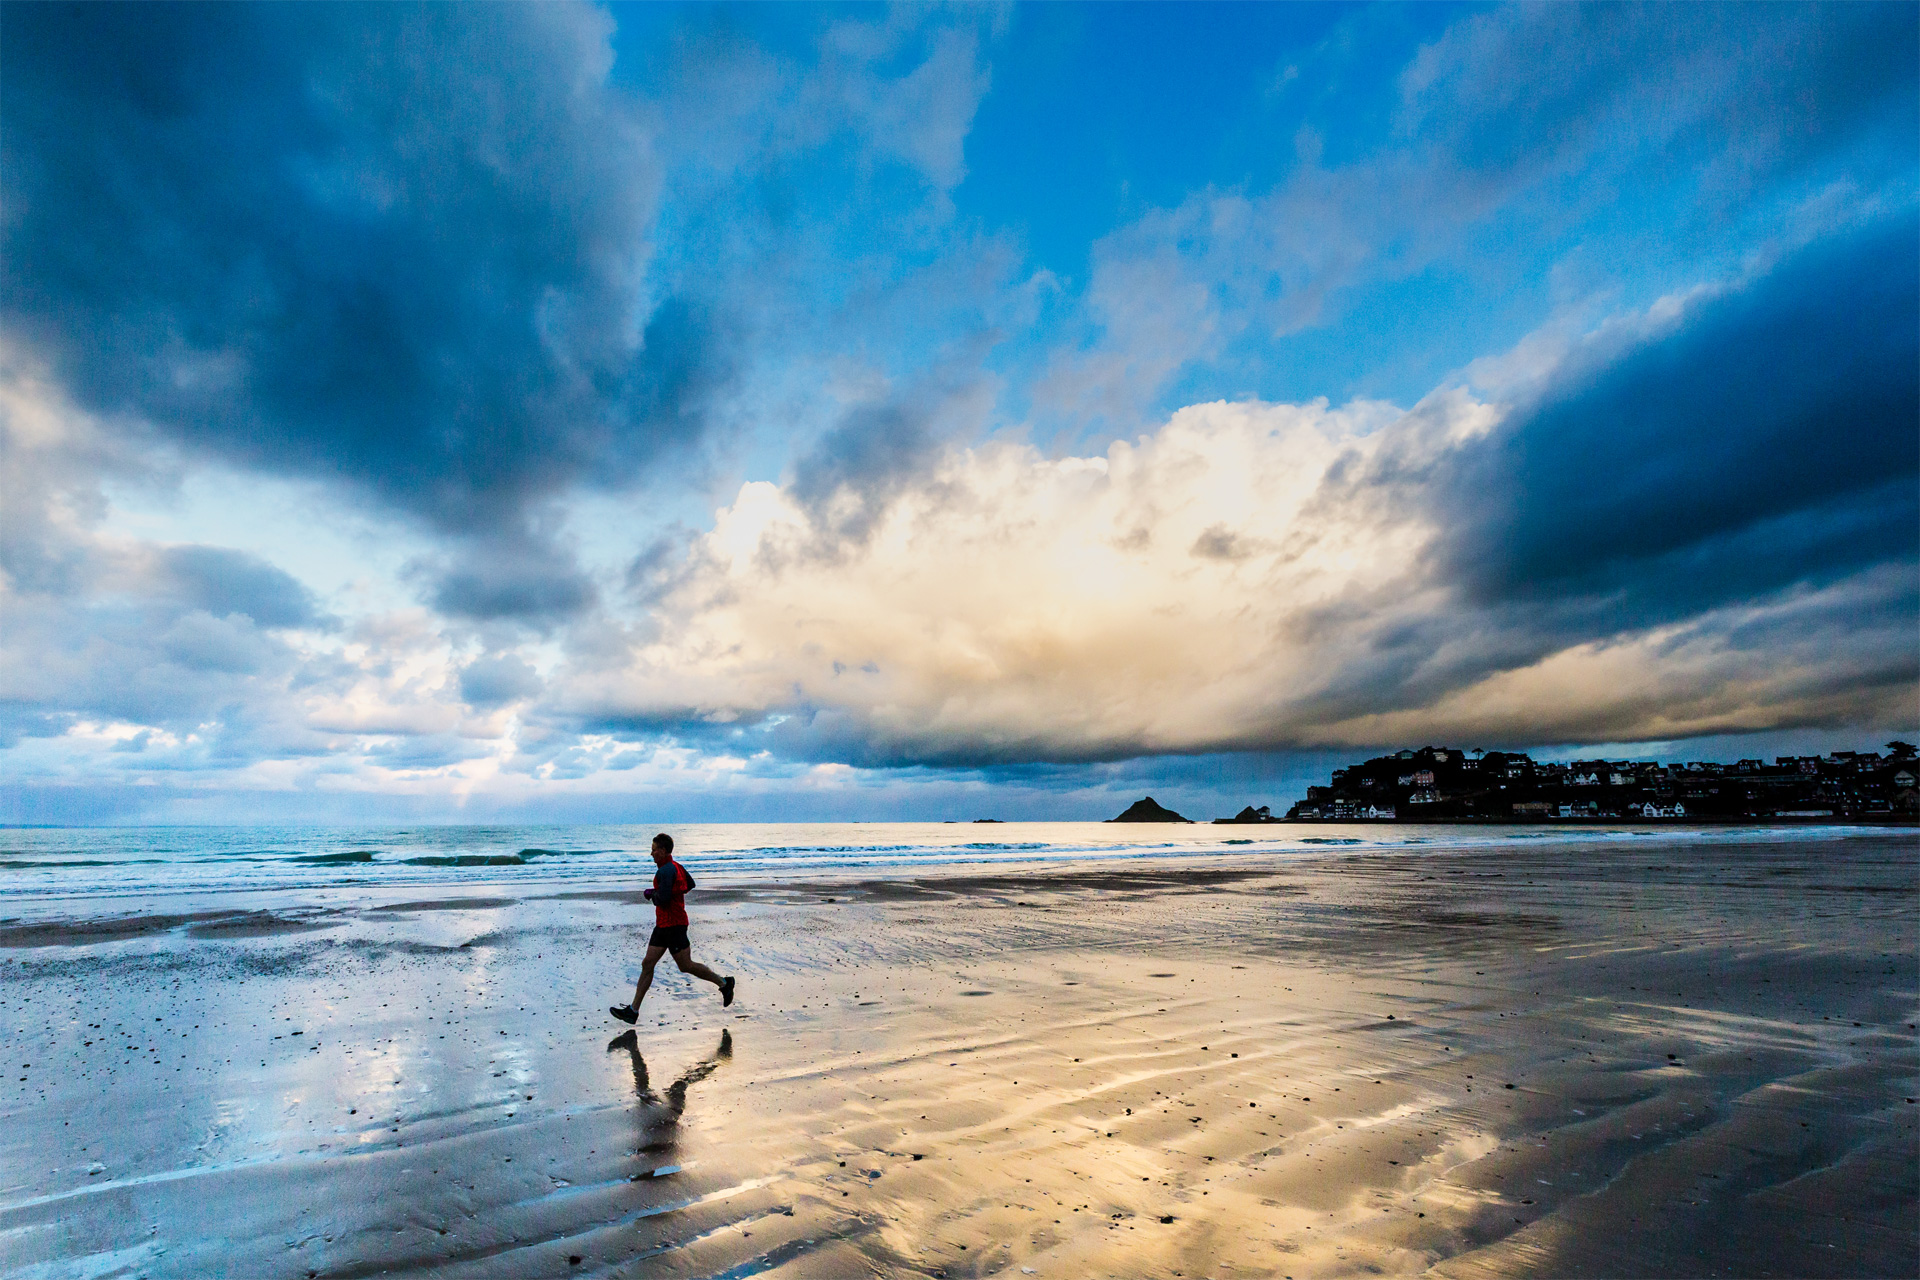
[[663, 848]]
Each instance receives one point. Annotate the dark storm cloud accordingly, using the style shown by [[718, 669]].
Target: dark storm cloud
[[400, 247], [1767, 442], [510, 577], [498, 680], [1773, 438], [221, 582], [817, 733]]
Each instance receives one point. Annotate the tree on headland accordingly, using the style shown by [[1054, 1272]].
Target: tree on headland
[[1902, 750]]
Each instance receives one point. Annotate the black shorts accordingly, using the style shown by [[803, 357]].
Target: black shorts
[[671, 936]]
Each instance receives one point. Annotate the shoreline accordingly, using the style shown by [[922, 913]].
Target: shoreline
[[223, 861]]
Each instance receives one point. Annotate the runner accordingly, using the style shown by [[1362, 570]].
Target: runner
[[669, 898]]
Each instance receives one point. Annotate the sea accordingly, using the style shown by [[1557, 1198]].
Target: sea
[[65, 862]]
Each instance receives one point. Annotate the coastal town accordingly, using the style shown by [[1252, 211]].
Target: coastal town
[[1435, 784], [1446, 784]]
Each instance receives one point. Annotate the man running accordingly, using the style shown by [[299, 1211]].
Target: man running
[[669, 898]]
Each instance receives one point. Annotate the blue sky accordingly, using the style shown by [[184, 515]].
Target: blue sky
[[683, 412]]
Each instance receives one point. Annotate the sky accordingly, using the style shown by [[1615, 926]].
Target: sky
[[557, 412]]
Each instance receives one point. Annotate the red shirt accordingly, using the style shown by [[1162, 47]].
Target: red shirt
[[670, 885]]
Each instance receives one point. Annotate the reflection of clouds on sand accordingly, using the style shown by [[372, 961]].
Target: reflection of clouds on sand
[[1265, 1066]]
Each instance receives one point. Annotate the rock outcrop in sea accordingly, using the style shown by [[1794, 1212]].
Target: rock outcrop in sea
[[1147, 809]]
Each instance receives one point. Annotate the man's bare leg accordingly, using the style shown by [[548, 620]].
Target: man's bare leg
[[689, 965], [684, 958], [646, 976]]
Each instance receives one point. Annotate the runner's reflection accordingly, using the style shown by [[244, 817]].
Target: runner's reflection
[[658, 1116]]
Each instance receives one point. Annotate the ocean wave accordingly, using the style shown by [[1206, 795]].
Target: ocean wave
[[469, 860], [832, 848], [21, 865]]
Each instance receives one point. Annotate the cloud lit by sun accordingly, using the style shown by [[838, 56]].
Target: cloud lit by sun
[[472, 406]]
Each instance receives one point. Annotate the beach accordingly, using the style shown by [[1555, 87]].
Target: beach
[[1660, 1056]]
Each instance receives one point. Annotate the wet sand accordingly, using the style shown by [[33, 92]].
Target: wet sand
[[1559, 1059]]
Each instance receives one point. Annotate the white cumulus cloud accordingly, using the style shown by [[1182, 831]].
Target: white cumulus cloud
[[1181, 592]]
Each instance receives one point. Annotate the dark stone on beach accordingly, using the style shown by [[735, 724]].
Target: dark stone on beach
[[1148, 810]]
